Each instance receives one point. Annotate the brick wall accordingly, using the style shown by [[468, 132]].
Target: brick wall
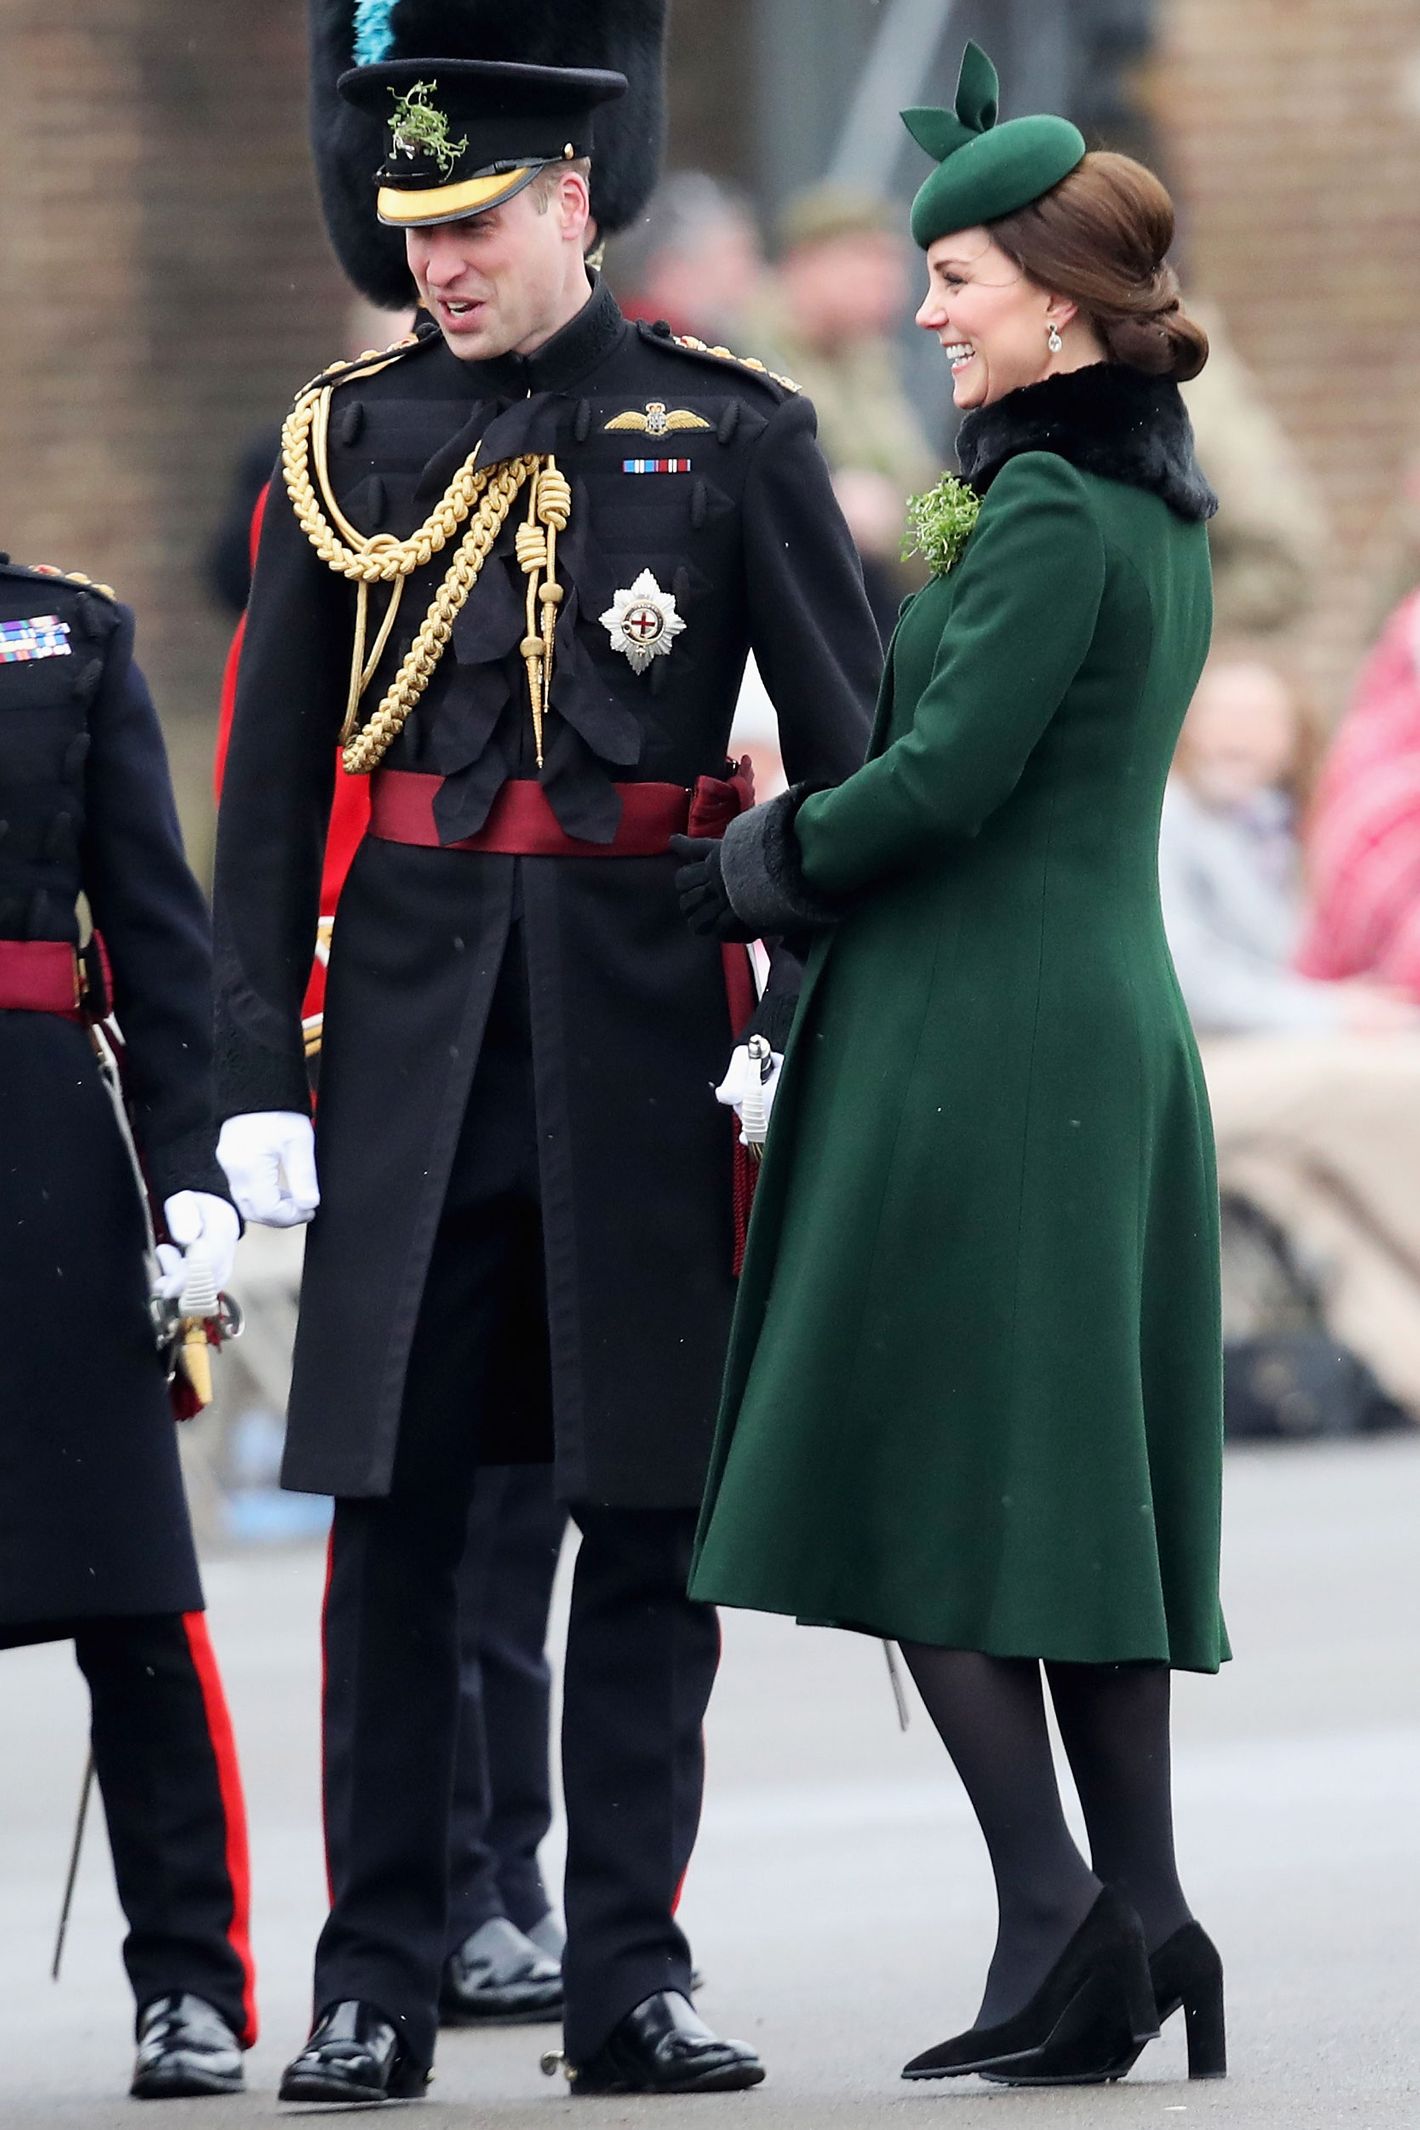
[[167, 286], [1294, 136]]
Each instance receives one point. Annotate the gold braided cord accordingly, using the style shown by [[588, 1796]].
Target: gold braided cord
[[487, 494], [381, 559], [365, 749]]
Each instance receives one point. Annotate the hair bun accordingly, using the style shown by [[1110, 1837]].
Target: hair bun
[[1162, 343]]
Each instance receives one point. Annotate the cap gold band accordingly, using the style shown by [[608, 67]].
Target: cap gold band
[[449, 203]]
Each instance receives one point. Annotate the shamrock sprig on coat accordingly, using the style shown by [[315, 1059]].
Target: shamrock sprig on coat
[[939, 523]]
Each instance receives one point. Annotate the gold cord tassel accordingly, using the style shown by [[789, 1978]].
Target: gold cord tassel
[[549, 509]]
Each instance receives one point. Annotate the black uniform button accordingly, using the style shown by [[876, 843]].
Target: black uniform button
[[662, 328], [76, 754], [59, 841], [349, 422], [582, 421], [698, 506], [729, 421]]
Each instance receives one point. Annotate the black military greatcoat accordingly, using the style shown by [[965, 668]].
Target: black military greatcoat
[[630, 1026], [92, 1517]]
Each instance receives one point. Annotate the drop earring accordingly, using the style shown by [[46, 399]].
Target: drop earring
[[1053, 340]]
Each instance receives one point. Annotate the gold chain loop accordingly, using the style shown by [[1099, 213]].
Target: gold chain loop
[[485, 493], [365, 749]]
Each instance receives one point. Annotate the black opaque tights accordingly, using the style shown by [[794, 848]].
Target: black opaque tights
[[1114, 1722]]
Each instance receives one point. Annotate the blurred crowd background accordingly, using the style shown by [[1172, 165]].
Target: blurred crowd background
[[169, 286]]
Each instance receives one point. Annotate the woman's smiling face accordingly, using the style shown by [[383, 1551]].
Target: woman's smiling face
[[992, 321]]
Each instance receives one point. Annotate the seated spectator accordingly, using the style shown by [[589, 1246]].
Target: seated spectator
[[1363, 841], [1230, 861], [1315, 1085]]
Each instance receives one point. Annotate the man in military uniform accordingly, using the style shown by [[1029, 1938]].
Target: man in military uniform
[[518, 563], [95, 1544]]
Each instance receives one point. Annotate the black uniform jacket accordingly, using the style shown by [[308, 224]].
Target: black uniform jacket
[[630, 1027], [92, 1516]]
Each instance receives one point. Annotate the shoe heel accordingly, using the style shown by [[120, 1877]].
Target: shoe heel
[[1206, 2028]]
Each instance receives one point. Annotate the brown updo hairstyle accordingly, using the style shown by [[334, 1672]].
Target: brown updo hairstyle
[[1101, 238]]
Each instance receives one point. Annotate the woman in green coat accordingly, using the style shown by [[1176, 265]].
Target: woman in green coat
[[973, 1393]]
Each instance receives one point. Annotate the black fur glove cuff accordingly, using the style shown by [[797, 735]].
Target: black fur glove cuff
[[763, 873]]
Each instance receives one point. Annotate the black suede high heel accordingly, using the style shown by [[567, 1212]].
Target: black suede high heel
[[1086, 2023], [1187, 1972]]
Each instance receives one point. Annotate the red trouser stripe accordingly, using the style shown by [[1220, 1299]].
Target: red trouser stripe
[[229, 1784]]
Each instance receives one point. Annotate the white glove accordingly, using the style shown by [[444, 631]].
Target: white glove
[[270, 1159], [201, 1226], [750, 1097]]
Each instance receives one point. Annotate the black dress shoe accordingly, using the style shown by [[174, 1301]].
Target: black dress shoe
[[1086, 2023], [1186, 1972], [664, 2047], [499, 1975], [185, 2048], [354, 2053]]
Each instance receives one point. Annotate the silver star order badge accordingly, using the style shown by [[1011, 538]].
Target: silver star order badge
[[642, 622]]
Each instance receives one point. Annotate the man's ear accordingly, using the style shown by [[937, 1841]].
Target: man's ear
[[574, 204]]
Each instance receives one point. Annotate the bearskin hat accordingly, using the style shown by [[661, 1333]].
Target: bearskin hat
[[348, 144]]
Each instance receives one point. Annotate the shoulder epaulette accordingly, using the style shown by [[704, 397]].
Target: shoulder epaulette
[[69, 576], [691, 346], [373, 359], [746, 362]]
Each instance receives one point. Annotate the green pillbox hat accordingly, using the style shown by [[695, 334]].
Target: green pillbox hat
[[984, 170]]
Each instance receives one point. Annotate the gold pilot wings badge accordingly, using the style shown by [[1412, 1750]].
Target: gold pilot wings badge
[[658, 419]]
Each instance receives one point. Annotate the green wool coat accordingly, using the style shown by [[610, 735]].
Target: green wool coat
[[973, 1394]]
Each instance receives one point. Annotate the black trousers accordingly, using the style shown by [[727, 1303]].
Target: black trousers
[[502, 1801], [172, 1795], [641, 1656], [502, 1794]]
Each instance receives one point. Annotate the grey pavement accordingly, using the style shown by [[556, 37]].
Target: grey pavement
[[839, 1903]]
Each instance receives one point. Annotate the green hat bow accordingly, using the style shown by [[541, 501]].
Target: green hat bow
[[984, 170]]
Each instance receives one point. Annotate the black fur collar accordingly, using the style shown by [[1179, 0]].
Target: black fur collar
[[1106, 419]]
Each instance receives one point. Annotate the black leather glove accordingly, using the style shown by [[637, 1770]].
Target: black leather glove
[[700, 885]]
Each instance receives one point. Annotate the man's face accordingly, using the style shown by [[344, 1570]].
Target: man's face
[[497, 283]]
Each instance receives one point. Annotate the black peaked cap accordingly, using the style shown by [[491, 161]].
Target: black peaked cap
[[350, 140]]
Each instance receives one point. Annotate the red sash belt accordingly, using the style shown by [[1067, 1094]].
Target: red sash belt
[[521, 823], [39, 976]]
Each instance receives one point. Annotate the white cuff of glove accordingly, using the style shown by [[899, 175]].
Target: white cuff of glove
[[201, 1227], [750, 1097], [270, 1159]]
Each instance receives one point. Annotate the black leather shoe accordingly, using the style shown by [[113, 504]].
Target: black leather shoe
[[354, 2053], [664, 2047], [1086, 2023], [499, 1975], [185, 2048]]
